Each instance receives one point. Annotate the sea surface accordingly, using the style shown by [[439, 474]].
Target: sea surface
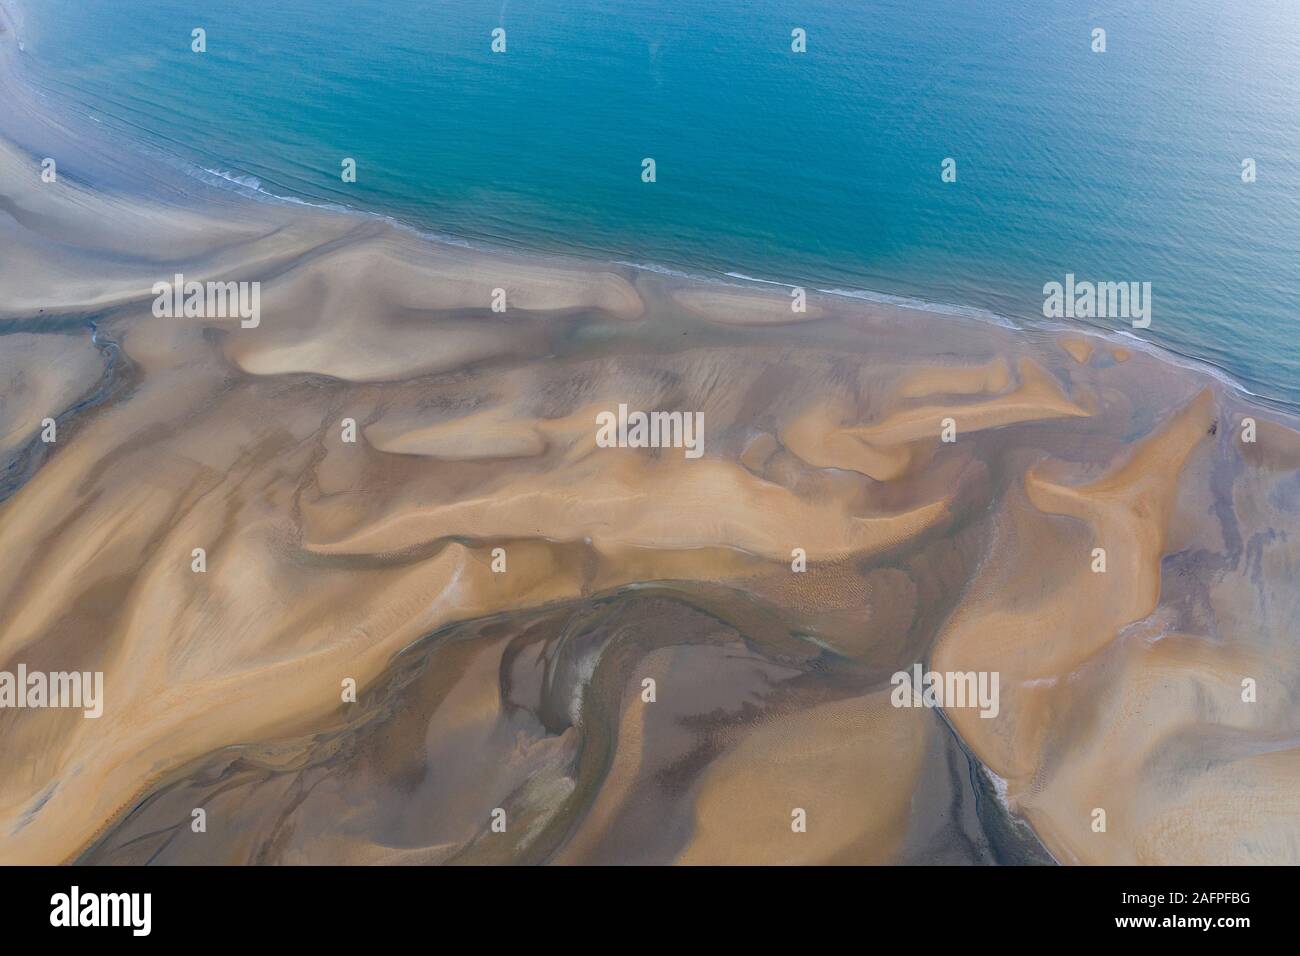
[[820, 168]]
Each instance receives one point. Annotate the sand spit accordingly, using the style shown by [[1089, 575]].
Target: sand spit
[[396, 484]]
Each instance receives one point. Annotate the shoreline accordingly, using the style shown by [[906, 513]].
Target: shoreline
[[208, 182]]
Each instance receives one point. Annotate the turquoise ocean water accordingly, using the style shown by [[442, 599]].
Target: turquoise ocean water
[[820, 168]]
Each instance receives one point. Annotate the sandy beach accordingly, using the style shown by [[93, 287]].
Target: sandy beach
[[522, 688]]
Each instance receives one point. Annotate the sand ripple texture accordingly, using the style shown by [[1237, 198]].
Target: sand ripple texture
[[521, 695]]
